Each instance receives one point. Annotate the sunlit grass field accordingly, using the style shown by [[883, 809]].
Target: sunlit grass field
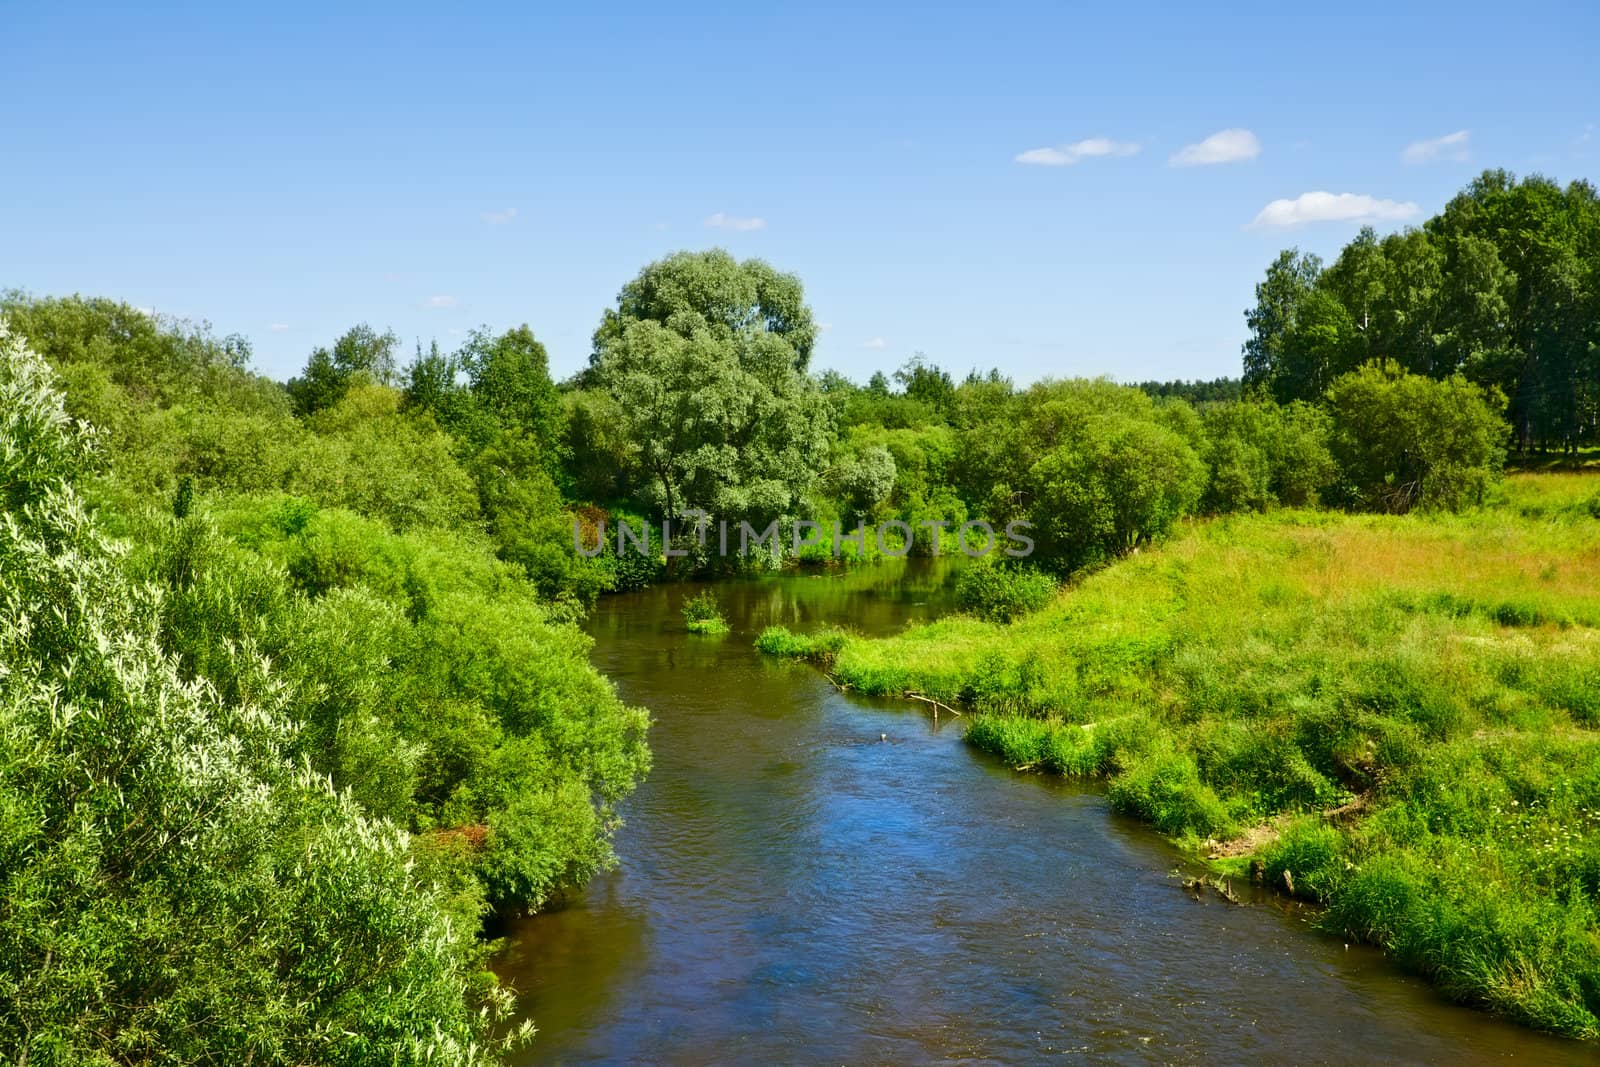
[[1398, 716]]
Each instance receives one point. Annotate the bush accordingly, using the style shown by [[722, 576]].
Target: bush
[[1404, 441], [1163, 788], [177, 889], [1001, 592], [703, 615], [1260, 454], [1118, 479]]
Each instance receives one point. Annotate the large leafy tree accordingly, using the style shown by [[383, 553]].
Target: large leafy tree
[[705, 358]]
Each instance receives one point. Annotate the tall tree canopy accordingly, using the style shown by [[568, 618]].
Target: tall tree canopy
[[705, 358], [1503, 286], [361, 352]]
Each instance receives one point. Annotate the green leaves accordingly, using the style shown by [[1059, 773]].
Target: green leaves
[[705, 359], [176, 888], [1406, 441], [1502, 286]]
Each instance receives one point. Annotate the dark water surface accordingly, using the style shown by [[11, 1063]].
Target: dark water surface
[[792, 889]]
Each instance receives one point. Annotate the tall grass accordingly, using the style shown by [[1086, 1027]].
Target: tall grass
[[1404, 712]]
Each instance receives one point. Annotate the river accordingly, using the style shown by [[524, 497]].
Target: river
[[812, 877]]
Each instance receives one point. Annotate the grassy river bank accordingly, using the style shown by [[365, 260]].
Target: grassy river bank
[[1396, 717]]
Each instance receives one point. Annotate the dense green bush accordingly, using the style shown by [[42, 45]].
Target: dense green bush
[[1001, 591], [1405, 441], [819, 645], [177, 888], [428, 680], [1260, 454], [703, 615]]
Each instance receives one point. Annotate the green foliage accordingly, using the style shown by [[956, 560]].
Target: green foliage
[[1196, 392], [362, 355], [176, 887], [703, 615], [1404, 441], [1113, 477], [1002, 592], [819, 645], [1261, 454], [866, 480], [429, 681], [1501, 287], [705, 358]]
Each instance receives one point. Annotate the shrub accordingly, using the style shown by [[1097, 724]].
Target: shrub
[[1405, 441], [1002, 592], [176, 888], [703, 615]]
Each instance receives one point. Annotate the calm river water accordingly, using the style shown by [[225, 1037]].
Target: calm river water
[[794, 889]]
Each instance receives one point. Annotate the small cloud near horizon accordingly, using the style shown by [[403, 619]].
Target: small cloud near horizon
[[441, 302], [741, 224], [877, 344], [1332, 207], [500, 218], [1234, 145], [1452, 147], [1068, 155], [278, 327]]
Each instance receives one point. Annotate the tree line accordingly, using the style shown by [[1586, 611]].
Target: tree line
[[1502, 287]]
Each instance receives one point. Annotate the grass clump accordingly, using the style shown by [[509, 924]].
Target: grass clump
[[702, 614], [1395, 716], [818, 646]]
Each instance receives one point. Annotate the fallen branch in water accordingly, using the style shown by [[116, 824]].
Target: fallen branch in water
[[936, 704], [840, 686]]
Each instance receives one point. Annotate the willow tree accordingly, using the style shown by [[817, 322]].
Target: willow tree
[[706, 359]]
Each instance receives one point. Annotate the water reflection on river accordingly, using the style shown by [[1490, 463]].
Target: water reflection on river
[[794, 889]]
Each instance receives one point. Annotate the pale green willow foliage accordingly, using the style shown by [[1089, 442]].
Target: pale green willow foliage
[[172, 889]]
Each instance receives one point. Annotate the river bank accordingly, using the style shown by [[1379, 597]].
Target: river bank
[[794, 888], [1394, 717]]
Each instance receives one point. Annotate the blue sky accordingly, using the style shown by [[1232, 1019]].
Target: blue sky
[[288, 173]]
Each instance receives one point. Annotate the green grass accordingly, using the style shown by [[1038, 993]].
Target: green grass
[[1403, 713], [819, 646]]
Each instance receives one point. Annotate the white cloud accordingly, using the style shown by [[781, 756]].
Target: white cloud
[[278, 327], [824, 327], [1452, 146], [500, 218], [148, 313], [1068, 154], [722, 221], [1333, 207], [1225, 146], [877, 344], [441, 302]]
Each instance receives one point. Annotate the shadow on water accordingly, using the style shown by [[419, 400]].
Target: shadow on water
[[810, 876]]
